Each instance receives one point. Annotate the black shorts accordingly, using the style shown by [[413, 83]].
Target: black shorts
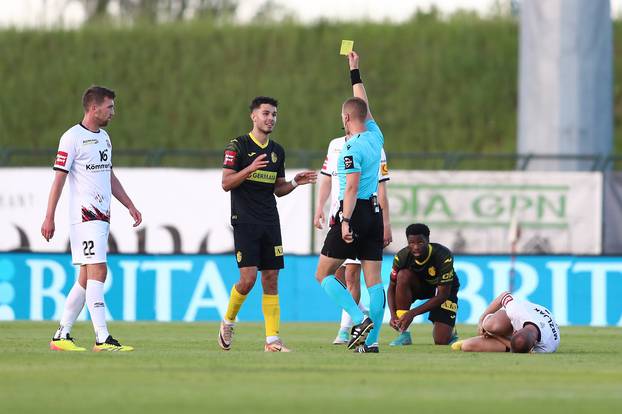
[[367, 228], [258, 245], [447, 311]]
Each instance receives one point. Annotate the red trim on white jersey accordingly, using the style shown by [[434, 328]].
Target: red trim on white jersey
[[506, 298]]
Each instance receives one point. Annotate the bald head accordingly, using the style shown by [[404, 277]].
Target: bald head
[[356, 108], [523, 341]]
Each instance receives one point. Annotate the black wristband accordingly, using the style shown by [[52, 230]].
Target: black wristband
[[355, 76], [345, 220]]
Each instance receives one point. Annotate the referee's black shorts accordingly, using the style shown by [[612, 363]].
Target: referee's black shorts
[[258, 245], [368, 231]]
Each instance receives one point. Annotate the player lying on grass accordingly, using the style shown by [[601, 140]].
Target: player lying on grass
[[510, 324]]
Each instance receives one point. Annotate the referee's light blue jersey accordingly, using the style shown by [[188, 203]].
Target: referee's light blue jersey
[[361, 154]]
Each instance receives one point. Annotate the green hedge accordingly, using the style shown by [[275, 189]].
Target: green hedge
[[433, 86]]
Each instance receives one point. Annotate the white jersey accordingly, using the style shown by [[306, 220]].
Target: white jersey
[[87, 157], [521, 312], [330, 168]]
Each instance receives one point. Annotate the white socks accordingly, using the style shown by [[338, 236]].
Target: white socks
[[73, 306], [346, 320], [97, 309]]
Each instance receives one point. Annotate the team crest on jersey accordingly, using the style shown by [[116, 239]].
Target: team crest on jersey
[[432, 271], [278, 250], [348, 162], [238, 256], [274, 157]]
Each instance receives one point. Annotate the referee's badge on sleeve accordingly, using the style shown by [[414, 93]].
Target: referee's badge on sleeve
[[348, 162]]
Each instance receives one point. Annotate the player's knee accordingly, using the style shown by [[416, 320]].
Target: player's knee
[[404, 276], [442, 339], [492, 325], [245, 285]]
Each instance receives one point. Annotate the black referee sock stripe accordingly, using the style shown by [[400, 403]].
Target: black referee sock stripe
[[341, 283]]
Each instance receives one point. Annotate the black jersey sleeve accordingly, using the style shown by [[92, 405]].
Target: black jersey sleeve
[[232, 156], [399, 263]]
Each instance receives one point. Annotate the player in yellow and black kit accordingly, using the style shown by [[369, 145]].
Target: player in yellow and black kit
[[423, 270], [254, 172]]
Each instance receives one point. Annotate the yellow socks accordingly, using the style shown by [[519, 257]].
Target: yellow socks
[[271, 314], [400, 313], [235, 303]]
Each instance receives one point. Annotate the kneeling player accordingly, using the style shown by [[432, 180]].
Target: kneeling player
[[423, 270], [510, 324]]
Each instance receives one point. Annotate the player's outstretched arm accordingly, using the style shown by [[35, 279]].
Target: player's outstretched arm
[[119, 193], [357, 84], [283, 187], [48, 227]]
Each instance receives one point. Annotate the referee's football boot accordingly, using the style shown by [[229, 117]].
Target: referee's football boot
[[364, 349], [225, 335], [402, 339], [65, 344], [359, 332], [111, 345], [342, 337]]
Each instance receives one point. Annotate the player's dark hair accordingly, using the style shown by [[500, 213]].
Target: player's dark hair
[[522, 342], [417, 229], [96, 94], [357, 107], [259, 100]]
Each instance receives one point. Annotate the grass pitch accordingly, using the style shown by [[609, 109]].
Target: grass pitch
[[179, 368]]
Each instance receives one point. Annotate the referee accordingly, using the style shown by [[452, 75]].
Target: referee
[[357, 232], [254, 172]]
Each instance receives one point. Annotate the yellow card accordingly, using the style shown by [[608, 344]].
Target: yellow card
[[346, 47]]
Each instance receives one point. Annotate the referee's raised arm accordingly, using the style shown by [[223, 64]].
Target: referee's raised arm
[[358, 89]]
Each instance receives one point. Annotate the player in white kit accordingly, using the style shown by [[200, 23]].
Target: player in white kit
[[511, 324], [85, 156], [350, 272]]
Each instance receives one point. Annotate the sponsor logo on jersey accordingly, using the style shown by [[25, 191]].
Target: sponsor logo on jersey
[[274, 157], [432, 271], [61, 158], [450, 306], [90, 141], [348, 162], [261, 176], [99, 167], [230, 157], [278, 250]]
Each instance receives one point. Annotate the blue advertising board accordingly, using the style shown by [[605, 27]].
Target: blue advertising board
[[578, 290]]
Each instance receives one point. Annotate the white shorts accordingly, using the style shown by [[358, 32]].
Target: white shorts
[[89, 242], [351, 261]]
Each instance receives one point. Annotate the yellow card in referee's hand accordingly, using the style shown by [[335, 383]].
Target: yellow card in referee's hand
[[346, 47]]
